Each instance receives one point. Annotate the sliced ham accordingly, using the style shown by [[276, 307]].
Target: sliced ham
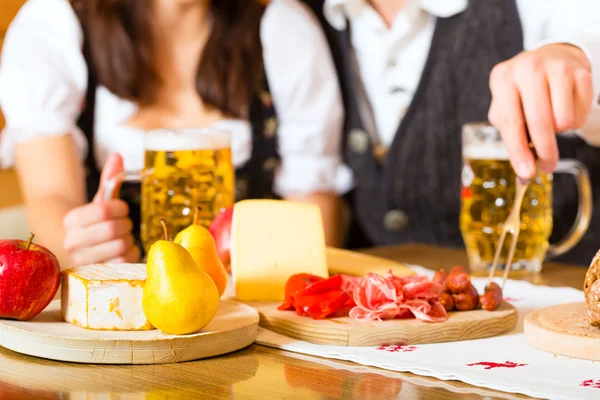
[[422, 290], [389, 297]]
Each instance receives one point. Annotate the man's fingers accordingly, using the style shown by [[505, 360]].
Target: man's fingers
[[94, 213], [562, 94], [102, 252], [506, 115], [98, 233], [533, 87], [584, 96]]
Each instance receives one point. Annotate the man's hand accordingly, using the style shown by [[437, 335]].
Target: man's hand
[[547, 91]]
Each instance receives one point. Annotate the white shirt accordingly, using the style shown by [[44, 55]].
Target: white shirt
[[43, 79], [391, 61]]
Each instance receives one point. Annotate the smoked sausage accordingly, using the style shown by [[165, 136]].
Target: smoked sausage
[[492, 297], [447, 301], [467, 300], [458, 280], [440, 277]]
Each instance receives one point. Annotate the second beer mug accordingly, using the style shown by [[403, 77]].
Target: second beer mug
[[488, 191], [183, 170]]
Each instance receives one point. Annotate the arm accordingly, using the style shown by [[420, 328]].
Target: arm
[[307, 98], [550, 87], [76, 232], [50, 193]]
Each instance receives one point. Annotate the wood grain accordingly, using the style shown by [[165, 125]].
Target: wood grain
[[563, 330], [461, 325], [234, 327]]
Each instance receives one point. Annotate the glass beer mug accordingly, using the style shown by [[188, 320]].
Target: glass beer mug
[[488, 191], [184, 170]]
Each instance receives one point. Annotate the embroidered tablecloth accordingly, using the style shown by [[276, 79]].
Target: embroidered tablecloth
[[506, 363]]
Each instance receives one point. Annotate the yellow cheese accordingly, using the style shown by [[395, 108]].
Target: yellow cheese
[[105, 297], [272, 240]]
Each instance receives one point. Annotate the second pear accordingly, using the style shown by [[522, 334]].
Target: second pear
[[198, 241]]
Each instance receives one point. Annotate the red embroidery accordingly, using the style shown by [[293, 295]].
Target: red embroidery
[[591, 384], [511, 299], [397, 349], [491, 365]]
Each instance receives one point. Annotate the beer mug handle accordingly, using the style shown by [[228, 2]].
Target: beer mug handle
[[584, 213], [112, 185]]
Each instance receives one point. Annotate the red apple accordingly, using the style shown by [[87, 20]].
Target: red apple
[[220, 229], [29, 279]]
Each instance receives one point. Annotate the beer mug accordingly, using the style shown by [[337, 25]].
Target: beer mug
[[488, 191], [184, 170]]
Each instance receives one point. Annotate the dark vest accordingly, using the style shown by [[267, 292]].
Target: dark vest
[[253, 181], [413, 195]]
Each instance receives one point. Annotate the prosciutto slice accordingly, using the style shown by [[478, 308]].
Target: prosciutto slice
[[390, 297]]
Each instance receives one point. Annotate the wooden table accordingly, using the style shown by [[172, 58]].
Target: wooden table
[[255, 372]]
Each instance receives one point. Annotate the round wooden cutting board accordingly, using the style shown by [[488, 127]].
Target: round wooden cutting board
[[461, 325], [563, 330], [234, 327]]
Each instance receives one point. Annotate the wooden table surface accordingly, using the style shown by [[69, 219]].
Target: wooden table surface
[[255, 372]]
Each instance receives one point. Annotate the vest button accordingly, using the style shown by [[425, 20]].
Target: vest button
[[270, 164], [358, 141], [395, 221]]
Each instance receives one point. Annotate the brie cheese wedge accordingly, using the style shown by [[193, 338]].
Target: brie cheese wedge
[[105, 297]]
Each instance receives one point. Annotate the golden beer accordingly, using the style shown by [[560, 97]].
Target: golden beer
[[184, 170], [486, 203], [487, 196]]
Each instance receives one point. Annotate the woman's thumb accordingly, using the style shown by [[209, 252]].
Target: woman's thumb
[[112, 167]]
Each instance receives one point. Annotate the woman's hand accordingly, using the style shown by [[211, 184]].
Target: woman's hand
[[101, 231], [547, 91]]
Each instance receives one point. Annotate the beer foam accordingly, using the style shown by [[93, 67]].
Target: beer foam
[[191, 139], [485, 152]]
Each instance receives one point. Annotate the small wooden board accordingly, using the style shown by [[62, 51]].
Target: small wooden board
[[563, 330], [47, 336], [341, 261], [461, 325]]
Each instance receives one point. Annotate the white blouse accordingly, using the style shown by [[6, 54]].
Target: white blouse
[[43, 81]]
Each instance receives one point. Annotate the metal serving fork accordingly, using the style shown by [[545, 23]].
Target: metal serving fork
[[512, 225]]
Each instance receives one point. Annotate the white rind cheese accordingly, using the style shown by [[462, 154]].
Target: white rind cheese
[[272, 240], [105, 297]]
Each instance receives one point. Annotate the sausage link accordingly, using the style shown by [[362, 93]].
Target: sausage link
[[458, 280], [447, 301], [467, 300], [440, 277], [492, 297]]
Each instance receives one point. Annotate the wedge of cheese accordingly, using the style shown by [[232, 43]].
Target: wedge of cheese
[[272, 240], [105, 297]]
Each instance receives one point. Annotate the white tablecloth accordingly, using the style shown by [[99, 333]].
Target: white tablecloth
[[506, 363]]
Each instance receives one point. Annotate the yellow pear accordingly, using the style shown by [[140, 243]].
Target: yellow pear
[[198, 241], [179, 298]]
